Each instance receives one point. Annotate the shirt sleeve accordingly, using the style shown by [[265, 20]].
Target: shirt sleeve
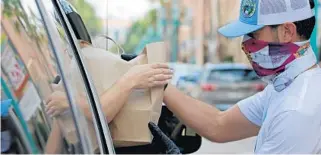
[[253, 107], [291, 133]]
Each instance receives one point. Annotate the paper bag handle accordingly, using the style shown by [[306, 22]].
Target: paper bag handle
[[118, 46]]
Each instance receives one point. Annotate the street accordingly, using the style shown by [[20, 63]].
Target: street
[[245, 146]]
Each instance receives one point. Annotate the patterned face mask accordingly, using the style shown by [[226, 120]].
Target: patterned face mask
[[271, 58], [278, 63]]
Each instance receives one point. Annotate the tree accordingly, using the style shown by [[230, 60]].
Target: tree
[[88, 15], [138, 30]]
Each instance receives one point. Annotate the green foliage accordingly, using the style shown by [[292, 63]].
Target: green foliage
[[228, 59], [10, 8], [138, 30]]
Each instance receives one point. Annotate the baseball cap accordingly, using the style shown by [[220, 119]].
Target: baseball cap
[[255, 14]]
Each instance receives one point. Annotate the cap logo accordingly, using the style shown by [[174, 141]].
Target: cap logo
[[248, 8]]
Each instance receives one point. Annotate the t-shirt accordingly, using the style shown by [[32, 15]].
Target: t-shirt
[[290, 120]]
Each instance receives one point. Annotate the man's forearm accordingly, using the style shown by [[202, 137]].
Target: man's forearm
[[203, 118]]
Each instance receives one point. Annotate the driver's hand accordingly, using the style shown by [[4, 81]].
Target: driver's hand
[[161, 140], [129, 57], [56, 104]]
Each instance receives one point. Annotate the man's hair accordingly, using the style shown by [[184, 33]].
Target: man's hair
[[304, 27]]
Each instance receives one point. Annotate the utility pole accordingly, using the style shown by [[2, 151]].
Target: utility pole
[[170, 22], [175, 23]]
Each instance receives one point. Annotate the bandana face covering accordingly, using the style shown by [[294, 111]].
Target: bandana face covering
[[278, 63]]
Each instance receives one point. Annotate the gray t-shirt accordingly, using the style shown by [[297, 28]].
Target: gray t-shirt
[[290, 120]]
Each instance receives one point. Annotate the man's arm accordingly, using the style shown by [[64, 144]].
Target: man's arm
[[208, 121]]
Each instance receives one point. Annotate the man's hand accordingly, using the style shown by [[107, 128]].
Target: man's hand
[[161, 139]]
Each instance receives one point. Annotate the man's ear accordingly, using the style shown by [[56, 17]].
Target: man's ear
[[287, 33]]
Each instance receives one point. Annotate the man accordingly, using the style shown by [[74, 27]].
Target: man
[[286, 116]]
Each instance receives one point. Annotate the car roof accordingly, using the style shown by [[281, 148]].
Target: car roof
[[227, 66]]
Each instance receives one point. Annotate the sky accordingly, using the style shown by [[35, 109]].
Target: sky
[[121, 9]]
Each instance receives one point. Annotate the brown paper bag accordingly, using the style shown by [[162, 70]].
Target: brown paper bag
[[130, 126]]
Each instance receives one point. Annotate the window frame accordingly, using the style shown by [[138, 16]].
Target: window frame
[[99, 120]]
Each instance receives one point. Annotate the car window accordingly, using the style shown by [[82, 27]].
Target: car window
[[231, 75], [78, 34], [29, 66]]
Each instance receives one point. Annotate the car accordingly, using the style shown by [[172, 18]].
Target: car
[[182, 69], [224, 85], [188, 82], [184, 73], [38, 41]]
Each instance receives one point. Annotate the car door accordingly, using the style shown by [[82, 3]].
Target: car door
[[35, 50], [74, 28]]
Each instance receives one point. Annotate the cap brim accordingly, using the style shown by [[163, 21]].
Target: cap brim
[[237, 29]]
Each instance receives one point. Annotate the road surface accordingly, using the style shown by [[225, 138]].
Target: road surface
[[245, 146]]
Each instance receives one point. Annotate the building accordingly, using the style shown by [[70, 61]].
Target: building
[[227, 12], [198, 36], [117, 28]]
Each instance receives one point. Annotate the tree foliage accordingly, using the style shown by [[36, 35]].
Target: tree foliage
[[139, 29]]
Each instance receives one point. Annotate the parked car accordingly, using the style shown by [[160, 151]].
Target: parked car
[[226, 84], [182, 71], [188, 82]]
